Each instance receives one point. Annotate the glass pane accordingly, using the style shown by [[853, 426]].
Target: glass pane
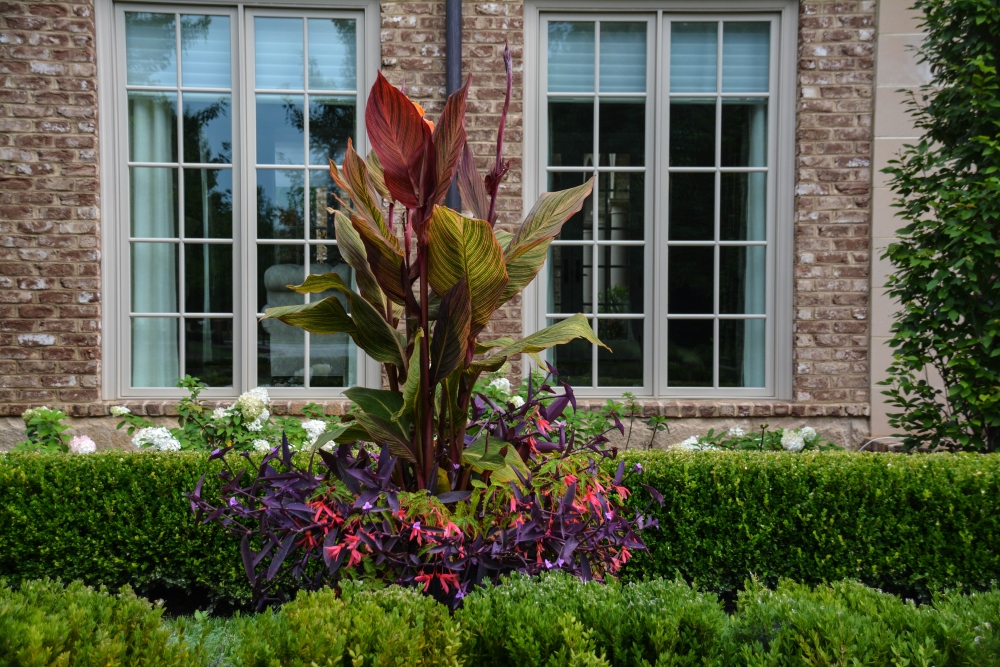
[[692, 279], [154, 278], [155, 352], [152, 127], [280, 129], [745, 55], [327, 259], [694, 57], [692, 133], [150, 49], [623, 57], [744, 133], [280, 198], [278, 53], [331, 123], [208, 278], [205, 51], [574, 361], [689, 353], [153, 202], [622, 366], [333, 60], [570, 271], [571, 132], [741, 353], [281, 354], [743, 206], [208, 128], [208, 351], [622, 133], [742, 279], [620, 279], [621, 205], [581, 225], [279, 266], [322, 197], [692, 207], [332, 360], [208, 203], [571, 56]]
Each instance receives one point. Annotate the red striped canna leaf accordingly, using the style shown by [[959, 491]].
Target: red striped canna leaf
[[400, 136], [449, 139]]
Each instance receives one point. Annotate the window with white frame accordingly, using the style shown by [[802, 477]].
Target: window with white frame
[[227, 119], [673, 258]]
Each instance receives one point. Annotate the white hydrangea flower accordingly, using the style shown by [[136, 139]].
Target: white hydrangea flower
[[736, 432], [156, 437], [261, 446], [120, 410], [252, 404], [314, 427], [220, 413], [808, 433], [690, 443], [516, 401], [502, 385], [82, 444], [792, 441], [31, 413]]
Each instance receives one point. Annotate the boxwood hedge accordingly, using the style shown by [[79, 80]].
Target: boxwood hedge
[[908, 524]]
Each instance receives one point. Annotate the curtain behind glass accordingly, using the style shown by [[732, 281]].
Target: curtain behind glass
[[155, 355], [756, 264]]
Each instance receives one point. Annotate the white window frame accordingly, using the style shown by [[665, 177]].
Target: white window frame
[[113, 126], [780, 165]]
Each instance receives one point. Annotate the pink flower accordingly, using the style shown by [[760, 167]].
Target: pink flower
[[82, 444]]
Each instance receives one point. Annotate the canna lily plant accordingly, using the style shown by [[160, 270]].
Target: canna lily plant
[[424, 297]]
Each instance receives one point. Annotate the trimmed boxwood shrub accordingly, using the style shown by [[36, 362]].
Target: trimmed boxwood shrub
[[908, 524], [113, 519]]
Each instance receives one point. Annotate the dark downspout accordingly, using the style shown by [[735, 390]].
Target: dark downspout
[[453, 68]]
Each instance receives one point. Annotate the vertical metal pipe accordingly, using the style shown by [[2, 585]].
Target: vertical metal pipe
[[453, 68]]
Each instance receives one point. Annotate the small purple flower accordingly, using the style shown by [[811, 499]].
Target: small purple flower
[[416, 525], [233, 502], [638, 467], [366, 506]]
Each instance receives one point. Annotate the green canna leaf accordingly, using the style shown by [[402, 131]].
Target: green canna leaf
[[352, 249], [577, 326], [321, 317], [412, 383], [460, 247], [378, 409], [385, 260]]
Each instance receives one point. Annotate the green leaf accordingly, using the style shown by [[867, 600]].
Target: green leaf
[[378, 408], [352, 249], [384, 258], [506, 474], [460, 247], [412, 383], [577, 326], [451, 332], [321, 317]]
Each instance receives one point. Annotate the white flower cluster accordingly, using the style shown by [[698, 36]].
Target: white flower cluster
[[736, 432], [156, 437], [792, 441], [516, 401], [315, 428], [253, 406], [220, 413], [120, 410], [82, 444], [695, 444], [261, 446], [502, 385], [31, 413]]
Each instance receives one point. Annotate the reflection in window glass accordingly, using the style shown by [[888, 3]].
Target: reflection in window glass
[[205, 48], [571, 56]]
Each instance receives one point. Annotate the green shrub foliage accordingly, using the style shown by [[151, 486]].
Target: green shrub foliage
[[112, 518], [907, 524], [552, 621], [43, 625], [946, 263]]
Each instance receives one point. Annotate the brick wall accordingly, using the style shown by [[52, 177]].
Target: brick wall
[[833, 202], [49, 232]]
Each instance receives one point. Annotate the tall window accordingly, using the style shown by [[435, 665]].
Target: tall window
[[672, 258], [228, 122]]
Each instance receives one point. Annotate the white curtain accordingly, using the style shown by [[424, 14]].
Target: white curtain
[[155, 351], [756, 263]]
